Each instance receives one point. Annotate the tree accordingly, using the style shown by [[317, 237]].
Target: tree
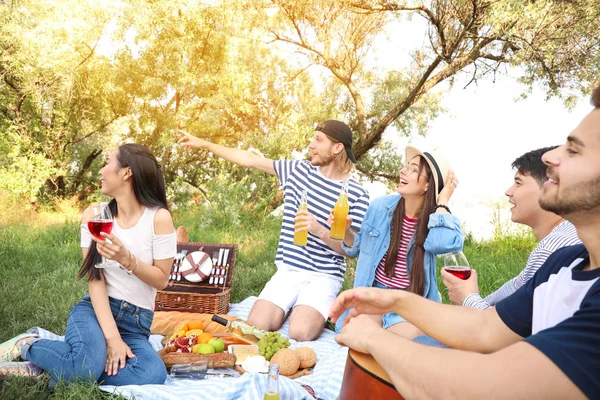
[[55, 97], [79, 77], [556, 43], [136, 71]]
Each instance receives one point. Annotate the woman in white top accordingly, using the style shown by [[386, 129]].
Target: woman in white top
[[107, 332]]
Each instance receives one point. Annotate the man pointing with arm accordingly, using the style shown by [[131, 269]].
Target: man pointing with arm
[[308, 278]]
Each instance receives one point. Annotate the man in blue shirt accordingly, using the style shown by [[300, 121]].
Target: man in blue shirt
[[541, 342]]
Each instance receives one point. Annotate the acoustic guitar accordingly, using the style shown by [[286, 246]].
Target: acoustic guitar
[[364, 379]]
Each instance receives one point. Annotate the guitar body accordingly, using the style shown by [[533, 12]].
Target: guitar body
[[364, 379]]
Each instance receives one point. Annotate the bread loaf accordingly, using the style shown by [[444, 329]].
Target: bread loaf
[[182, 234], [216, 360]]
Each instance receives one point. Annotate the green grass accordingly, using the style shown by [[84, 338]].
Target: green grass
[[39, 262]]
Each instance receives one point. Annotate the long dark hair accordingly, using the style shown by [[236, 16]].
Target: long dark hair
[[417, 275], [149, 190]]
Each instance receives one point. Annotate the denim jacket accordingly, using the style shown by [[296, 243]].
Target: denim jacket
[[371, 243]]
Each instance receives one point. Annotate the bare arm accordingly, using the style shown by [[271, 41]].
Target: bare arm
[[242, 158], [418, 371], [101, 306], [155, 275], [458, 327]]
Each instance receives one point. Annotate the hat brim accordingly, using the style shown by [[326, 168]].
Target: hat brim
[[412, 152], [350, 155]]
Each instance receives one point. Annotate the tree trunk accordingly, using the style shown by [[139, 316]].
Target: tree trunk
[[86, 165]]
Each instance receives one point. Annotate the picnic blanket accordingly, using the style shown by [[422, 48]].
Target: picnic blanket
[[326, 379]]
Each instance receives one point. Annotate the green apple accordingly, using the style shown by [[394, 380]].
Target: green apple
[[204, 348], [218, 344]]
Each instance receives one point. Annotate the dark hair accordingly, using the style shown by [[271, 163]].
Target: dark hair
[[417, 274], [531, 164], [595, 100], [148, 187]]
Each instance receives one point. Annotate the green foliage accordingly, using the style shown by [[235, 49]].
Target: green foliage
[[80, 77]]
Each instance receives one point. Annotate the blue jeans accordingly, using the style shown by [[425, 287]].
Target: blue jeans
[[390, 318], [82, 356]]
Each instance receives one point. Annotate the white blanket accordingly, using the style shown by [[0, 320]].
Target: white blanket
[[326, 379]]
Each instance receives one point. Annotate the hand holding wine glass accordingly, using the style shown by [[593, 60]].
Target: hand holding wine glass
[[457, 265], [102, 221]]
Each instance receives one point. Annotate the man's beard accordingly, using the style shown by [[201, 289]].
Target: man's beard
[[582, 196], [323, 161]]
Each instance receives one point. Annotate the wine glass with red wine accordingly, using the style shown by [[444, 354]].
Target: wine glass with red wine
[[102, 221], [457, 265]]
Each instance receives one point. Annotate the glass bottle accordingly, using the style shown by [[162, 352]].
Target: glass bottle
[[272, 391], [340, 213], [239, 327], [301, 238]]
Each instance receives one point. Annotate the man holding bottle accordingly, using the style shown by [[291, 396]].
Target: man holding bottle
[[308, 277]]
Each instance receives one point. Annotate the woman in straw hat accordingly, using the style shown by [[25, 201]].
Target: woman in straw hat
[[401, 235]]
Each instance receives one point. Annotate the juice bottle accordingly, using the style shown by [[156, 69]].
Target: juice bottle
[[272, 391], [301, 238], [340, 213]]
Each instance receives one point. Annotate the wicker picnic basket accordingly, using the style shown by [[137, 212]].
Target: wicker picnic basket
[[199, 297]]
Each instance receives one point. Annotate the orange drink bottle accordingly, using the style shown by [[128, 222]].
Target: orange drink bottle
[[340, 213], [301, 238]]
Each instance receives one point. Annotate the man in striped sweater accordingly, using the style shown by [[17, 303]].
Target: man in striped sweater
[[552, 230], [308, 278]]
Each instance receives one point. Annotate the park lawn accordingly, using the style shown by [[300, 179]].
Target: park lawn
[[38, 265]]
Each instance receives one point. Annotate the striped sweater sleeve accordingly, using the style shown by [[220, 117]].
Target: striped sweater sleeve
[[563, 235]]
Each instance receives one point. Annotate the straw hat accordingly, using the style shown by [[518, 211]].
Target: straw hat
[[439, 165]]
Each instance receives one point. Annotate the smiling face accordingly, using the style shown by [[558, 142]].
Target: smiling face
[[524, 196], [574, 171], [112, 176], [413, 179], [322, 150]]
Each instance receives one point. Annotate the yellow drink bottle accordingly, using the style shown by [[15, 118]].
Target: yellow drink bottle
[[301, 238], [340, 213]]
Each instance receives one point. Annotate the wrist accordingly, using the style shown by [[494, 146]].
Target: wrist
[[323, 233], [112, 336], [375, 340], [442, 207], [134, 264], [128, 260]]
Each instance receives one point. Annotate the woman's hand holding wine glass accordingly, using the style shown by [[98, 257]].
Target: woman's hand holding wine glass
[[113, 250], [108, 245]]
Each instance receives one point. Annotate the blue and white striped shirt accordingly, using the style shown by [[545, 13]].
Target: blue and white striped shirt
[[295, 177], [564, 234]]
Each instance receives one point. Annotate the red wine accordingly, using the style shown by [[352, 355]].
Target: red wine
[[460, 272], [96, 226]]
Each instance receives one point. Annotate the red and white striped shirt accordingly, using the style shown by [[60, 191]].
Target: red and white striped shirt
[[400, 280]]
